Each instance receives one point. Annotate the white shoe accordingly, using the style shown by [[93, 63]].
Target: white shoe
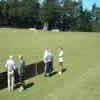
[[60, 73], [21, 89]]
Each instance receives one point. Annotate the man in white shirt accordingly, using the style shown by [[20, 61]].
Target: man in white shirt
[[61, 60], [10, 66]]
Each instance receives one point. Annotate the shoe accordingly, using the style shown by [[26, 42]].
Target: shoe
[[21, 89], [60, 73]]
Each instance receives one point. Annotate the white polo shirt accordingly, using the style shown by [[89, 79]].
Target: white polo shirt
[[61, 56], [49, 56], [10, 65]]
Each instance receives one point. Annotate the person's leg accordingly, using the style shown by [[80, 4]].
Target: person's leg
[[45, 73], [12, 81], [23, 80], [60, 67], [9, 82], [50, 68]]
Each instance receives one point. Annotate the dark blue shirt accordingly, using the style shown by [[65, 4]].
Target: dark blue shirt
[[21, 66]]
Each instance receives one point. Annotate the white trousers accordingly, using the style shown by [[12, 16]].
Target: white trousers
[[11, 80]]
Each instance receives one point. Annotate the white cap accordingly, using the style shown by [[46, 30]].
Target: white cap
[[11, 57]]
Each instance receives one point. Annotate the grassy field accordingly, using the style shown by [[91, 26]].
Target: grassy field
[[81, 81]]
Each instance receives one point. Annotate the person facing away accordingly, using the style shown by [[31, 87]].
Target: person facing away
[[50, 61], [61, 60], [21, 71], [10, 66], [47, 59]]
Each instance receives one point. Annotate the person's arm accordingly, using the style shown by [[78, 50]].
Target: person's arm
[[44, 57], [14, 65]]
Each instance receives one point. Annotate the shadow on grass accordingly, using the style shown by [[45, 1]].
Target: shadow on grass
[[53, 73], [28, 85], [31, 70], [64, 70]]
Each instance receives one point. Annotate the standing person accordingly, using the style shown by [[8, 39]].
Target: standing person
[[61, 60], [0, 64], [50, 61], [10, 66], [45, 59], [21, 72]]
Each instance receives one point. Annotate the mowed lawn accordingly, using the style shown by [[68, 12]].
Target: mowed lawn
[[80, 81]]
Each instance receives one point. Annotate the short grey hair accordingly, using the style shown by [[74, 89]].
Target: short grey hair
[[10, 57]]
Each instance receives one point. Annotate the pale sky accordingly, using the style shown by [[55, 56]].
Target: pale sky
[[88, 3]]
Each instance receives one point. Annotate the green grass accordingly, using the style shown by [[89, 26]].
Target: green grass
[[81, 81]]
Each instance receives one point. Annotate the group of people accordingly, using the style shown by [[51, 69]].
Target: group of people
[[11, 69], [48, 60]]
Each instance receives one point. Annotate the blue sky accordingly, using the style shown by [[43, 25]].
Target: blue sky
[[87, 4]]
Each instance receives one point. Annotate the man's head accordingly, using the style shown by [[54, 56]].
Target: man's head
[[47, 49], [20, 57], [61, 48], [10, 57], [50, 50]]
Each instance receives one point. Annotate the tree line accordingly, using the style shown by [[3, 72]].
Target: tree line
[[66, 16]]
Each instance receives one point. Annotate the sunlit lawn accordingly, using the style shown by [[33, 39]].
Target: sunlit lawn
[[81, 81]]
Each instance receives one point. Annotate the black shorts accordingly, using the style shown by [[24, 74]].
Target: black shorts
[[61, 64]]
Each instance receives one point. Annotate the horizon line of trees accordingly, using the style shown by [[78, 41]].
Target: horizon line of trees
[[52, 15]]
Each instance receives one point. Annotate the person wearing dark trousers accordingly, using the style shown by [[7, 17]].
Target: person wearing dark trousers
[[51, 57], [45, 59], [48, 62], [21, 72]]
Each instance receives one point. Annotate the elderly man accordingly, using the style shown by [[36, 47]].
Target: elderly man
[[10, 66], [21, 72]]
